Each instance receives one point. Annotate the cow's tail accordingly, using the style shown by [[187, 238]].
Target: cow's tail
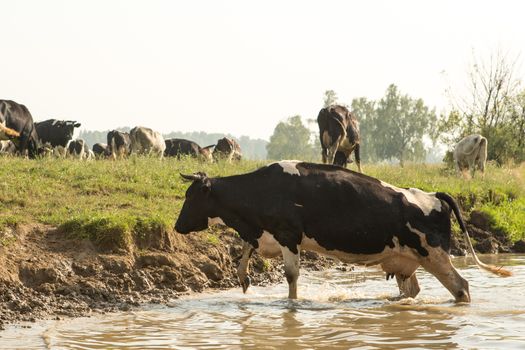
[[452, 203]]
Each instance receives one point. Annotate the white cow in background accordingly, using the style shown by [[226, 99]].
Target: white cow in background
[[146, 141], [471, 153]]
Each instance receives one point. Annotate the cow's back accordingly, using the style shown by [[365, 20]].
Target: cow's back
[[146, 140], [179, 147], [341, 209]]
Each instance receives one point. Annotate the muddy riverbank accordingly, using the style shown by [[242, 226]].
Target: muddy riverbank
[[44, 274]]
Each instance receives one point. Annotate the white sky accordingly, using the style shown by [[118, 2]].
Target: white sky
[[237, 67]]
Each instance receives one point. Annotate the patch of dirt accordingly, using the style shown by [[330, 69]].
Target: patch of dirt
[[44, 274]]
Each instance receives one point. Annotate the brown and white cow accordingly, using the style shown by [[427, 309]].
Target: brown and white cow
[[471, 153], [291, 206], [339, 135], [227, 149]]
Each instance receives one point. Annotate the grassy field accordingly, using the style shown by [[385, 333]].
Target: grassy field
[[117, 200]]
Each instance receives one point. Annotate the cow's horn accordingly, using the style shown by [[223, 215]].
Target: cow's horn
[[193, 177]]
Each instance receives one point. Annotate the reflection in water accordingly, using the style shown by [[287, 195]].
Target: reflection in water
[[337, 310]]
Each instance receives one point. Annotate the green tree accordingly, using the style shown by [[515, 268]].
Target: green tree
[[291, 140], [366, 114], [400, 126], [330, 98]]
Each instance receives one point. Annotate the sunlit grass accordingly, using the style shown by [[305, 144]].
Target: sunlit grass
[[115, 200]]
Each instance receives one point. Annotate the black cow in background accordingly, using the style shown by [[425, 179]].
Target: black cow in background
[[339, 134], [181, 147], [56, 132], [119, 144], [17, 117]]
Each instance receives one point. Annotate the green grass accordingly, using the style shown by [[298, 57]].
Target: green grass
[[115, 202]]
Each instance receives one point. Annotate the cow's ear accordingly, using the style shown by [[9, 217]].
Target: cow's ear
[[76, 125], [206, 185]]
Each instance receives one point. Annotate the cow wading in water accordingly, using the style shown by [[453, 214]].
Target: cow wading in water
[[290, 205]]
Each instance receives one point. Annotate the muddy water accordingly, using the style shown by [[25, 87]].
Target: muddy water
[[336, 310]]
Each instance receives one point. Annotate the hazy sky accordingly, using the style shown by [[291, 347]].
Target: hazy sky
[[237, 66]]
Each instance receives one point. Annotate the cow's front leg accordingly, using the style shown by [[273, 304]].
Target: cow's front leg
[[242, 268], [291, 270]]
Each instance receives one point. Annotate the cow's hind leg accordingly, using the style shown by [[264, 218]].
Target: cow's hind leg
[[291, 270], [441, 267], [408, 286]]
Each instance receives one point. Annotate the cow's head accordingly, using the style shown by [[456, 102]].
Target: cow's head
[[66, 127], [197, 207]]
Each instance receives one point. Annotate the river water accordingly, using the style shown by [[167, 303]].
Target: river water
[[335, 310]]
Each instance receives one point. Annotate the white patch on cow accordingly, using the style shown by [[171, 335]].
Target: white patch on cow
[[289, 166], [215, 221], [310, 244], [268, 245], [424, 200]]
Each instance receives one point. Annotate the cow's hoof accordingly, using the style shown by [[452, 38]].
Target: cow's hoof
[[245, 284]]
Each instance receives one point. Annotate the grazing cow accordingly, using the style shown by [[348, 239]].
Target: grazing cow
[[77, 149], [56, 132], [339, 134], [228, 149], [119, 144], [100, 150], [7, 147], [146, 141], [471, 152], [15, 117], [334, 211], [181, 147]]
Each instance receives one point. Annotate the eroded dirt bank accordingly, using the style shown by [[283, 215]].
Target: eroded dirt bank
[[45, 274]]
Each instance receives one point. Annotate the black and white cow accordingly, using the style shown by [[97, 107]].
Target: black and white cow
[[56, 132], [119, 144], [100, 150], [15, 117], [78, 149], [339, 136], [290, 206]]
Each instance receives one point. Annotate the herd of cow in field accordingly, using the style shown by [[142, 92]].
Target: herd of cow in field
[[287, 206], [338, 132], [20, 135]]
